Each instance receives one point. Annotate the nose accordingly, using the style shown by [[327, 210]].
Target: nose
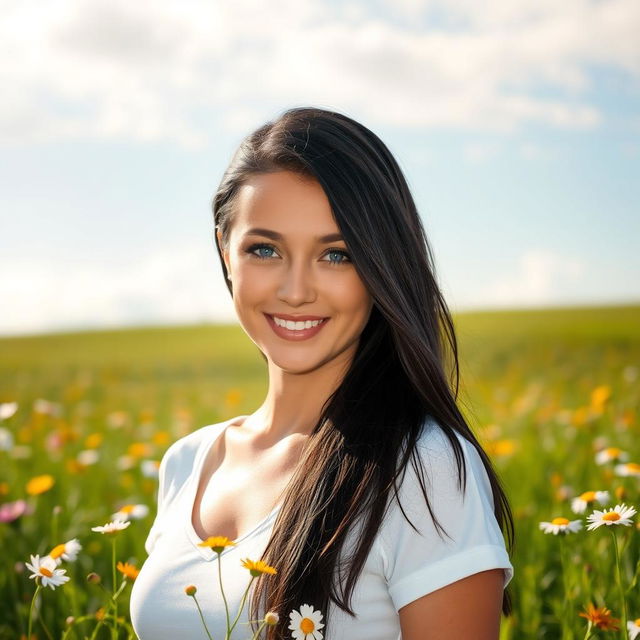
[[297, 284]]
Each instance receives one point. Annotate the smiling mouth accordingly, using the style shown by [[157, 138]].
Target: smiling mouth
[[297, 325]]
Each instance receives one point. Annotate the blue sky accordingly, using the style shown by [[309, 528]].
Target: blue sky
[[517, 126]]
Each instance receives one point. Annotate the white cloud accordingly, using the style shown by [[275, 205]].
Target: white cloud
[[172, 285], [540, 277], [146, 70]]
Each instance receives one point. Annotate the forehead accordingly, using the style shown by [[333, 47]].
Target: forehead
[[285, 202]]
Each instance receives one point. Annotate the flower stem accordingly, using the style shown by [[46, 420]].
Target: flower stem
[[224, 599], [588, 634], [204, 624], [623, 629], [566, 633], [35, 595], [256, 635], [114, 635], [242, 601]]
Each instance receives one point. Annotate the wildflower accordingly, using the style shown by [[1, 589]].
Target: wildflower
[[600, 617], [217, 543], [93, 440], [271, 618], [112, 528], [600, 396], [45, 569], [561, 525], [124, 463], [131, 512], [150, 468], [6, 439], [305, 624], [633, 627], [620, 514], [87, 457], [7, 409], [67, 551], [94, 578], [611, 454], [257, 568], [139, 450], [10, 511], [586, 499], [191, 590], [129, 571], [628, 469], [39, 484], [501, 448]]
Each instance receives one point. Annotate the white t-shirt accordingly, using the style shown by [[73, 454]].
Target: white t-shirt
[[401, 566]]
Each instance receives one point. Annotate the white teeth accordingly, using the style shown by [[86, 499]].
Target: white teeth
[[296, 326]]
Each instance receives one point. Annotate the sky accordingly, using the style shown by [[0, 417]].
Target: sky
[[516, 123]]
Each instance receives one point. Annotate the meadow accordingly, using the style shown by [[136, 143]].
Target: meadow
[[547, 392]]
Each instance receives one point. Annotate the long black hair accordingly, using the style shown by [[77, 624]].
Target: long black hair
[[367, 431]]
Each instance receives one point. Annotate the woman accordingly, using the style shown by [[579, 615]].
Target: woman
[[358, 477]]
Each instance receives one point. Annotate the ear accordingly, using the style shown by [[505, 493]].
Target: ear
[[223, 249]]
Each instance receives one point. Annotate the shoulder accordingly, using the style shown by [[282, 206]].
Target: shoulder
[[179, 459], [419, 555], [438, 457]]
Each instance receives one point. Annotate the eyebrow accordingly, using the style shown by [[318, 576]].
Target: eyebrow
[[274, 235]]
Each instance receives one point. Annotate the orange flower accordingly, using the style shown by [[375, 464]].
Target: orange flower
[[39, 484], [129, 571], [600, 617]]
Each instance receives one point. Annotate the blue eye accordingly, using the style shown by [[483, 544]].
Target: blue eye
[[256, 247], [338, 252], [261, 251]]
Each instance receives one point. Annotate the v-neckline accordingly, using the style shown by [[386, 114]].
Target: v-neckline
[[194, 481]]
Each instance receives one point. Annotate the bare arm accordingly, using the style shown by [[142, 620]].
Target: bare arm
[[467, 608]]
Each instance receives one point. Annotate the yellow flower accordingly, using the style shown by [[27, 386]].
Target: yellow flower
[[600, 617], [161, 438], [600, 395], [257, 568], [271, 618], [93, 440], [233, 397], [139, 450], [190, 590], [217, 543], [501, 448], [129, 571], [40, 484]]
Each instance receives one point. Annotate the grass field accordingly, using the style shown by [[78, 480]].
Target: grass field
[[544, 390]]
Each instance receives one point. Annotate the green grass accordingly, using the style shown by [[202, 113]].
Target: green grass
[[527, 379]]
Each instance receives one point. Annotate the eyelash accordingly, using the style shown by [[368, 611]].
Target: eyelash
[[250, 250]]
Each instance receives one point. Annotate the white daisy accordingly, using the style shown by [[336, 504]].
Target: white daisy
[[305, 625], [150, 468], [586, 499], [633, 627], [620, 514], [6, 439], [561, 525], [111, 528], [610, 454], [67, 551], [45, 569], [87, 457], [628, 469], [131, 512], [7, 409]]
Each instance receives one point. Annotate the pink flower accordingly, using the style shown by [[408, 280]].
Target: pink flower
[[10, 511]]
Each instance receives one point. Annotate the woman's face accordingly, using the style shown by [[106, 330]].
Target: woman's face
[[283, 269]]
